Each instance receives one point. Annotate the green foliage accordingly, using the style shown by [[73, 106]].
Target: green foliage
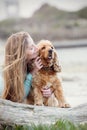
[[83, 13], [65, 125], [83, 126], [76, 24], [7, 22], [59, 125], [45, 22]]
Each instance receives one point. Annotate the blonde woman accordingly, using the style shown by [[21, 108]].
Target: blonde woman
[[20, 50]]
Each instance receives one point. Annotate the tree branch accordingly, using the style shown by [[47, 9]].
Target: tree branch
[[16, 113]]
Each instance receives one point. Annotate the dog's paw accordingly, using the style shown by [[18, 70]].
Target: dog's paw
[[67, 105], [64, 105], [39, 104]]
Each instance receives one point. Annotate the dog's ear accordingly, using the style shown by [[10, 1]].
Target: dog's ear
[[56, 66]]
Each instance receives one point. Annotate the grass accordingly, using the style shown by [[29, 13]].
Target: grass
[[59, 125]]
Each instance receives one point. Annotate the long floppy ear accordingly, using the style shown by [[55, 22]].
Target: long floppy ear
[[56, 66]]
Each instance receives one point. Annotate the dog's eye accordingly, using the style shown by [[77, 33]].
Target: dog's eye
[[43, 48], [52, 47]]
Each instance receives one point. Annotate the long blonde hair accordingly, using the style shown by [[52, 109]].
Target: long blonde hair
[[15, 67]]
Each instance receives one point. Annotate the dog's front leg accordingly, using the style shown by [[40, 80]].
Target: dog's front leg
[[38, 97], [60, 96]]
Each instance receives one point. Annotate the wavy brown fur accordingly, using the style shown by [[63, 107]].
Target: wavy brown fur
[[47, 77]]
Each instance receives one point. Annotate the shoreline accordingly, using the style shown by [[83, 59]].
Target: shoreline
[[70, 43], [61, 43]]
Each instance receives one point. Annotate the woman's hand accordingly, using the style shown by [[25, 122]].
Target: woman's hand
[[37, 65], [46, 92]]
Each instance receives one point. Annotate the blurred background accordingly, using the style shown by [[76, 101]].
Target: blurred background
[[64, 22]]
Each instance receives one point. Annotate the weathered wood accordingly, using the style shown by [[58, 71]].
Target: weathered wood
[[17, 113]]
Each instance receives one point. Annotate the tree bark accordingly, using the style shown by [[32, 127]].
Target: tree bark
[[16, 113]]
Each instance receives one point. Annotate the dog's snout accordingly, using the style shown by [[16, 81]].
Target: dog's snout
[[50, 51]]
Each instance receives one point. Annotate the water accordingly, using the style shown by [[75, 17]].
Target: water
[[74, 74]]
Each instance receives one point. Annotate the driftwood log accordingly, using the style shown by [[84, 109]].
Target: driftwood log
[[16, 113]]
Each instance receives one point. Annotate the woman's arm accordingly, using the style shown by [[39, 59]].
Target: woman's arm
[[28, 81], [27, 84]]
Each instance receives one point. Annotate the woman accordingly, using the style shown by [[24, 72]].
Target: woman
[[20, 51]]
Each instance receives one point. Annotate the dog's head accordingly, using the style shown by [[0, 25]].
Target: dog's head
[[48, 55]]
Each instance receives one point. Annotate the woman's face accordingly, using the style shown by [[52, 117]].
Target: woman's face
[[31, 50]]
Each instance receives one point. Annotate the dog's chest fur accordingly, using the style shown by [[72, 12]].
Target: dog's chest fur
[[43, 78]]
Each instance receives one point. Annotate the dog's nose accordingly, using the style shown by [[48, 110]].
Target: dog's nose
[[50, 51]]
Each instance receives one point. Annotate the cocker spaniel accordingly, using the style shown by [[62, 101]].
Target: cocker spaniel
[[47, 76]]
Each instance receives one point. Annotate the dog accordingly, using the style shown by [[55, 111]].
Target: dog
[[47, 76]]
